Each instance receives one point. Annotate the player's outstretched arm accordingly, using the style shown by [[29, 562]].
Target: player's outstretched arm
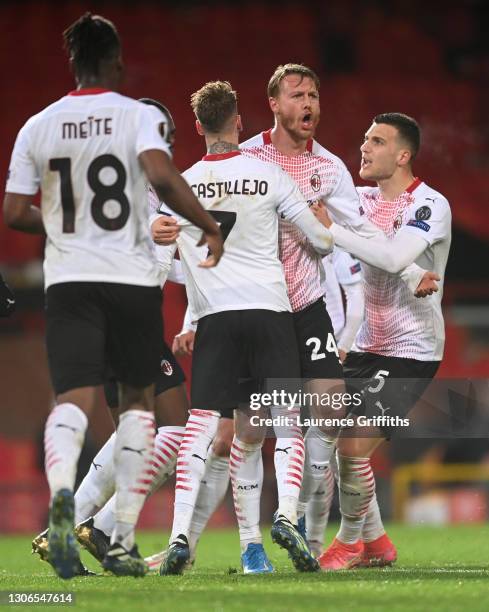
[[20, 213], [419, 281], [172, 189], [391, 256]]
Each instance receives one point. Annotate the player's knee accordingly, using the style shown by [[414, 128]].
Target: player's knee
[[221, 446]]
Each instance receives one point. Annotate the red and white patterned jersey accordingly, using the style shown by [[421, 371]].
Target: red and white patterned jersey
[[396, 323], [320, 176]]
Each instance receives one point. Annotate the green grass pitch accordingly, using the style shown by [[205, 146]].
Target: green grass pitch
[[445, 568]]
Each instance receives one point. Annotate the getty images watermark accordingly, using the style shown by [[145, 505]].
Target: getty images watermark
[[407, 407], [289, 404]]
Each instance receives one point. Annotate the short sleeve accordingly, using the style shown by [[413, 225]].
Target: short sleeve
[[148, 135], [22, 175], [429, 219]]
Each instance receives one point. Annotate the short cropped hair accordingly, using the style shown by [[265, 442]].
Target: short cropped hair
[[283, 71], [214, 104], [407, 127]]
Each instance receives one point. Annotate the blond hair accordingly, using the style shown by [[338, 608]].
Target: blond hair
[[282, 71]]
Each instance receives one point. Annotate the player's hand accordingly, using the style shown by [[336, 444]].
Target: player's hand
[[428, 285], [341, 355], [320, 212], [183, 344], [165, 230], [7, 299], [216, 248]]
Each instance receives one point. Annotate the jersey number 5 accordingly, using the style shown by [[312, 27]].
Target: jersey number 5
[[101, 193]]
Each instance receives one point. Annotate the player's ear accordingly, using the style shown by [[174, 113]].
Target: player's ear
[[273, 104], [198, 127], [404, 157], [239, 123]]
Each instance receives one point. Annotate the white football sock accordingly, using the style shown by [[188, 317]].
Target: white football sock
[[133, 453], [318, 507], [199, 432], [319, 449], [289, 461], [98, 486], [212, 490], [63, 440], [246, 471], [356, 488], [372, 527], [105, 517], [167, 445]]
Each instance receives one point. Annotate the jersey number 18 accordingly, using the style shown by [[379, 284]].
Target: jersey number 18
[[102, 193]]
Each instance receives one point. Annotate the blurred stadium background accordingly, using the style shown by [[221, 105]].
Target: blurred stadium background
[[427, 59]]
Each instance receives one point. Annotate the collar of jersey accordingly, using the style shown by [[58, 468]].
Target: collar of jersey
[[219, 156], [414, 185], [267, 140], [88, 91]]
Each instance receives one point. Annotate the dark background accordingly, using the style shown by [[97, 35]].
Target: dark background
[[427, 59]]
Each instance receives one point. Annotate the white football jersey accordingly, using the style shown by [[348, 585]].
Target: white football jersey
[[396, 323], [244, 195], [320, 176], [340, 269], [82, 152]]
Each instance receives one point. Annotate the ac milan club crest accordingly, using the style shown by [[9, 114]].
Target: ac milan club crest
[[166, 368], [316, 182], [397, 222]]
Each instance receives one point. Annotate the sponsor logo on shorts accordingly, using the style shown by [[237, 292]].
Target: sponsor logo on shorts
[[166, 367], [361, 210], [316, 182], [423, 213], [356, 268], [420, 225]]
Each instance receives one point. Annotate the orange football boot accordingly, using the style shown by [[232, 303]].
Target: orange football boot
[[379, 553], [340, 556]]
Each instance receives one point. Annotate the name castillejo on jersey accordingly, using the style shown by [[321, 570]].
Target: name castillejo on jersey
[[238, 187]]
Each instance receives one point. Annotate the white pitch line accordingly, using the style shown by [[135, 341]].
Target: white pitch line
[[435, 570]]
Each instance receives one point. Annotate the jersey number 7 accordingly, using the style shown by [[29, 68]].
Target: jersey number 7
[[226, 222], [101, 193]]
